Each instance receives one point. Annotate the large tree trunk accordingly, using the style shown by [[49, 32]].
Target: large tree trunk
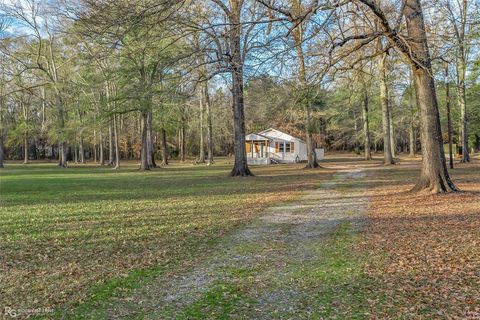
[[62, 146], [144, 155], [209, 125], [366, 125], [240, 167], [62, 154], [387, 149], [477, 143], [151, 153], [164, 148], [311, 155], [463, 110], [25, 149], [154, 164], [449, 117], [460, 27], [434, 177]]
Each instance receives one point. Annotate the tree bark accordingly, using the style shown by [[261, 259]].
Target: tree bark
[[62, 155], [115, 137], [240, 167], [209, 125], [201, 153], [25, 148], [144, 155], [154, 164], [44, 122], [95, 146], [62, 146], [311, 155], [164, 148], [434, 176], [366, 125], [183, 142], [81, 151], [393, 145], [463, 110], [477, 143], [75, 153], [149, 140], [110, 144], [411, 144], [460, 26], [101, 159], [297, 35], [449, 117], [387, 150]]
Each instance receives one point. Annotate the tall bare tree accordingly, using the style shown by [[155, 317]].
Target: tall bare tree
[[382, 69], [298, 35]]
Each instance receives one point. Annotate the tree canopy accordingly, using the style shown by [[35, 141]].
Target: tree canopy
[[120, 80]]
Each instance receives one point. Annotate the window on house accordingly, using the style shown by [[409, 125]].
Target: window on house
[[281, 147], [287, 147]]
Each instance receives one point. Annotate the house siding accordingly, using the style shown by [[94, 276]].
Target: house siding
[[298, 151]]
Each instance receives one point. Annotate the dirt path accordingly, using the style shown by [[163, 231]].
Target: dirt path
[[259, 271]]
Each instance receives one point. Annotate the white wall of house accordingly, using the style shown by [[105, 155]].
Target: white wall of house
[[284, 153], [303, 151]]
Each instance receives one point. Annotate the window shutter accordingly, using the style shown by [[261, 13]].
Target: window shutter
[[276, 147], [292, 147], [247, 147]]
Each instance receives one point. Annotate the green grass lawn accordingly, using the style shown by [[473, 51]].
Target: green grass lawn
[[76, 239], [75, 236]]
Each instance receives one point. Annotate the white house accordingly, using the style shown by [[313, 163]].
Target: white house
[[274, 146]]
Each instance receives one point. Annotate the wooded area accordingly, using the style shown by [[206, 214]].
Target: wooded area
[[106, 81], [125, 126]]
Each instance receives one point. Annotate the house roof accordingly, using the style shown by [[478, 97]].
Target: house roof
[[272, 133], [256, 137]]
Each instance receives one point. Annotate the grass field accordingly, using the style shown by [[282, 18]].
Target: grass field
[[77, 235], [71, 239]]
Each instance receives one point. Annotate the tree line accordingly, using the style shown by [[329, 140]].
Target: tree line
[[153, 80]]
